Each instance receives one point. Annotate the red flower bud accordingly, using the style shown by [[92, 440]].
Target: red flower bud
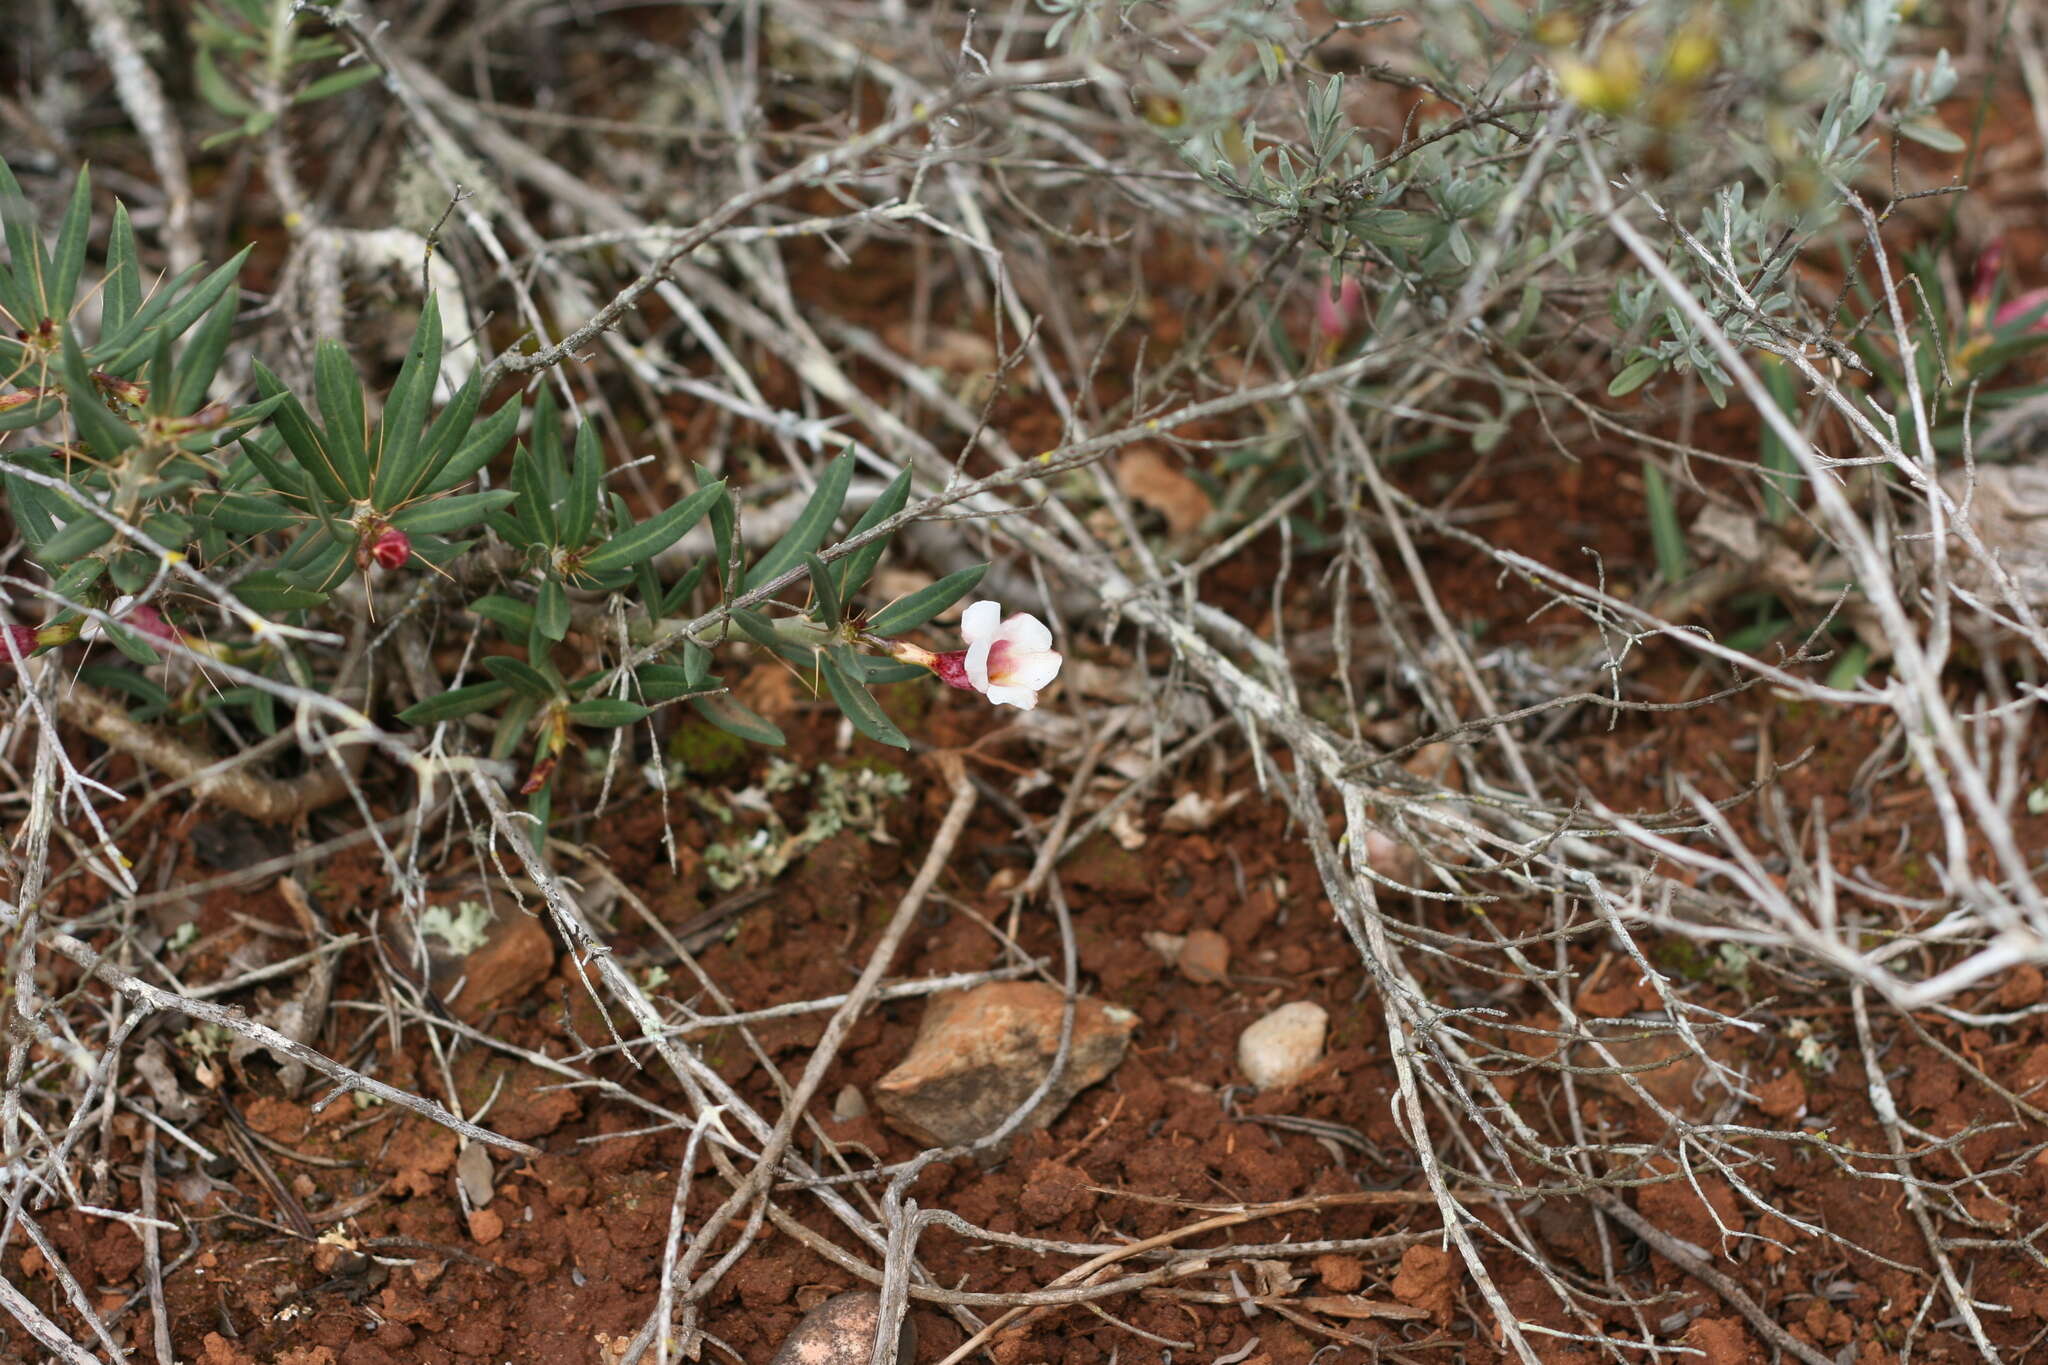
[[147, 620], [392, 548], [1339, 311], [1989, 262], [23, 642]]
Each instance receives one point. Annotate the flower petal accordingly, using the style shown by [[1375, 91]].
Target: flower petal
[[1033, 670], [981, 621], [1023, 698], [1027, 634], [977, 663]]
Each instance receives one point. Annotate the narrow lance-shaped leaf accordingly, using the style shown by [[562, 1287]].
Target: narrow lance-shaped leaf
[[70, 258], [607, 711], [456, 703], [736, 718], [551, 612], [400, 449], [451, 513], [632, 544], [579, 514], [469, 447], [172, 309], [912, 611], [522, 676], [200, 361], [825, 604], [858, 567], [306, 442], [513, 615], [340, 395], [811, 525], [860, 708]]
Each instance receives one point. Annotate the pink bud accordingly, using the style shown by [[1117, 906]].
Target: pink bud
[[151, 622], [1337, 313], [1989, 262], [22, 640], [2033, 303], [392, 548], [952, 670]]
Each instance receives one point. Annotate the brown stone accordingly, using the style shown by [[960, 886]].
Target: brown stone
[[980, 1054], [518, 956], [1205, 957], [486, 1226], [841, 1331]]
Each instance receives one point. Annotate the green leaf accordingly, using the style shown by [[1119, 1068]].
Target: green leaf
[[131, 643], [323, 564], [24, 249], [811, 525], [629, 545], [1850, 668], [269, 590], [921, 606], [348, 78], [84, 534], [512, 615], [246, 514], [77, 576], [451, 513], [1665, 534], [522, 676], [1781, 470], [736, 718], [535, 506], [474, 446], [579, 514], [170, 311], [214, 89], [856, 568], [70, 258], [200, 362], [759, 629], [1633, 377], [305, 441], [340, 395], [456, 703], [860, 708], [825, 605], [551, 613], [607, 711], [400, 451], [875, 669], [512, 723], [724, 538], [1929, 132], [155, 700]]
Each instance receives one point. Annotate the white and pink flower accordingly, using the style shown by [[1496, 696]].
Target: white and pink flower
[[1007, 659]]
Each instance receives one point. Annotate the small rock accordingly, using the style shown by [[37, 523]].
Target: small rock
[[1205, 957], [1284, 1046], [841, 1331], [473, 1169], [980, 1053], [849, 1104], [518, 956], [486, 1226]]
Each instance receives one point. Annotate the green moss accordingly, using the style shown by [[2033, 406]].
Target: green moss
[[704, 750]]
